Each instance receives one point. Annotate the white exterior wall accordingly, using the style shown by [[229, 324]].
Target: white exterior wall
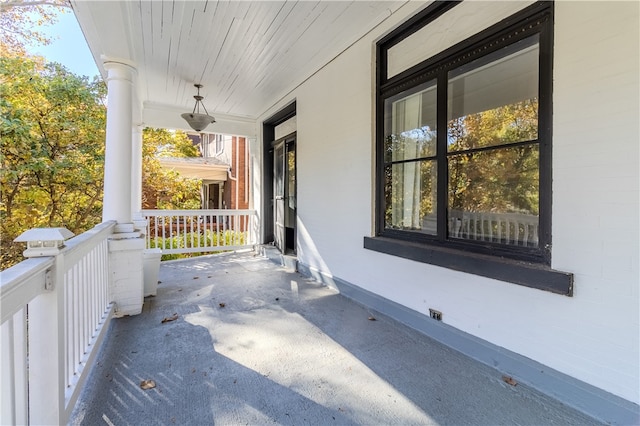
[[596, 190], [592, 336]]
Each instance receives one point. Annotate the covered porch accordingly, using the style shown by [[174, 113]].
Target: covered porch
[[238, 339], [248, 342]]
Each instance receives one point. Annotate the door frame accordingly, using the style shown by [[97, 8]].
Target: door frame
[[268, 136]]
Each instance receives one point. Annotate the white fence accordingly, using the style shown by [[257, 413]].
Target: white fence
[[200, 231], [506, 228], [54, 313]]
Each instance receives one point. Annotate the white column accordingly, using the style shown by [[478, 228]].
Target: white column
[[117, 163], [139, 222], [136, 172], [125, 245]]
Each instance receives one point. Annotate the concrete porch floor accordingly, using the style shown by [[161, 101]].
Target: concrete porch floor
[[256, 344]]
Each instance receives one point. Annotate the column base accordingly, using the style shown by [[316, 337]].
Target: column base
[[140, 225], [126, 277]]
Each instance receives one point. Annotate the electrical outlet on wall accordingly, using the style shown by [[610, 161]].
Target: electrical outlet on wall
[[436, 315]]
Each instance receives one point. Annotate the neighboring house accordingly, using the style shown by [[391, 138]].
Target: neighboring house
[[223, 169], [472, 162], [232, 193]]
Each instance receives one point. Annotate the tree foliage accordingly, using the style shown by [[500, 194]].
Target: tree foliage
[[52, 131], [166, 189], [493, 166], [21, 22], [52, 154], [169, 143], [505, 178]]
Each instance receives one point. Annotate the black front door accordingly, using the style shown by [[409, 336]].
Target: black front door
[[284, 194]]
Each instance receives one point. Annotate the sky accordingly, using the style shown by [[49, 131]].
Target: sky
[[68, 46]]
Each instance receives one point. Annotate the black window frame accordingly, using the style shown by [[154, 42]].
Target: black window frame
[[527, 266]]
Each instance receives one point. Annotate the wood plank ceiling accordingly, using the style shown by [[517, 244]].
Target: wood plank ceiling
[[247, 54]]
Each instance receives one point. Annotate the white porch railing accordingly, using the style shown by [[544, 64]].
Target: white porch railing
[[54, 313], [200, 231], [507, 228]]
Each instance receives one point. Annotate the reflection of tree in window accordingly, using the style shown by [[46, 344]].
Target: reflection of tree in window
[[483, 185], [500, 179]]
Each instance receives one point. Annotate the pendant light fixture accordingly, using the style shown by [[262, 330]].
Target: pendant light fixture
[[196, 120]]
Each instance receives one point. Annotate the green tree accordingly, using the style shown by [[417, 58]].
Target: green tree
[[52, 154], [166, 189], [52, 131], [169, 143], [504, 179], [52, 128]]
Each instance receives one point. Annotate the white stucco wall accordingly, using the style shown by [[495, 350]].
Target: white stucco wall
[[592, 336]]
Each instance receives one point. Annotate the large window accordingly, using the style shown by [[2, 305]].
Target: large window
[[464, 147]]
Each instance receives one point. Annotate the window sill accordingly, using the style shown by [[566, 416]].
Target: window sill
[[512, 271]]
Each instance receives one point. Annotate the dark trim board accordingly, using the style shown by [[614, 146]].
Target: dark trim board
[[582, 396], [527, 274]]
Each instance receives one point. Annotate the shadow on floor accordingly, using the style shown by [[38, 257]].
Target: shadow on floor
[[255, 344]]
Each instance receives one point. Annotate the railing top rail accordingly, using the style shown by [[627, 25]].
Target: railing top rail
[[24, 281], [77, 246], [21, 283], [514, 216], [203, 212], [11, 277]]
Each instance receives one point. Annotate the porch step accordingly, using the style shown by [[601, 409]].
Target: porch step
[[289, 262]]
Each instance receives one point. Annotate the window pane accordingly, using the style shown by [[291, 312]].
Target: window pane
[[410, 124], [494, 196], [279, 172], [494, 100], [410, 196]]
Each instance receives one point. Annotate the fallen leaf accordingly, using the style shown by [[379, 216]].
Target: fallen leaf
[[171, 318], [147, 384], [372, 318], [222, 305], [509, 380]]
